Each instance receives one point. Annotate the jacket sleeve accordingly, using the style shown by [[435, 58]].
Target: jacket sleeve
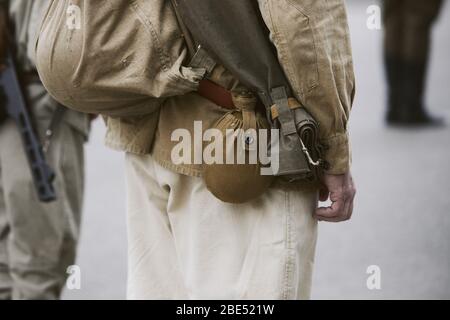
[[312, 39]]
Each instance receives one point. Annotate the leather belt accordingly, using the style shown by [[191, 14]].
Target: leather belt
[[217, 94]]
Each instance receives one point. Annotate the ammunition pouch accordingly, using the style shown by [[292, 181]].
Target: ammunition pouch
[[307, 165]]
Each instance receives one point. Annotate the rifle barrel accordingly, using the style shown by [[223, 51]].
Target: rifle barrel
[[16, 108]]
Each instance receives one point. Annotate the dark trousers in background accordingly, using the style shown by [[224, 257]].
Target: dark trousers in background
[[408, 26], [38, 240]]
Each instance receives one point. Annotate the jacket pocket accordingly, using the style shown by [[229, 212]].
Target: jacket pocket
[[168, 47], [291, 31]]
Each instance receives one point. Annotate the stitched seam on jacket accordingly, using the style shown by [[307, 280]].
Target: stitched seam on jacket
[[187, 170], [164, 58], [286, 57], [314, 40], [125, 146]]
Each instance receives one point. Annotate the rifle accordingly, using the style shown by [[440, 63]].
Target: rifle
[[15, 107]]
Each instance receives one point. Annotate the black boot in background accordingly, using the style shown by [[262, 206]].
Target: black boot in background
[[393, 71], [406, 98], [408, 30]]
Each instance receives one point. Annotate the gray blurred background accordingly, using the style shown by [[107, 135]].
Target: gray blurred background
[[401, 220]]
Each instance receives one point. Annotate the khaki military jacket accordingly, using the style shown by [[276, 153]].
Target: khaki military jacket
[[313, 43], [128, 61]]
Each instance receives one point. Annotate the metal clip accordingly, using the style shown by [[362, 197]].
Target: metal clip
[[310, 160]]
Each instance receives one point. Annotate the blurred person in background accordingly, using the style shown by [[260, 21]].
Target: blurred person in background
[[37, 240], [408, 27]]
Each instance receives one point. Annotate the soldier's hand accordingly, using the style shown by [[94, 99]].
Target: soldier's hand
[[341, 190]]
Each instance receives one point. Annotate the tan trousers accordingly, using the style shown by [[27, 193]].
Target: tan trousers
[[37, 240], [186, 244]]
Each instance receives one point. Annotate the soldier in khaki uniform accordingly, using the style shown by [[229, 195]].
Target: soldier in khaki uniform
[[183, 242], [37, 240], [408, 26]]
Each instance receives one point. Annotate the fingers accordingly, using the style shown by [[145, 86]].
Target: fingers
[[342, 199], [332, 213], [323, 194]]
